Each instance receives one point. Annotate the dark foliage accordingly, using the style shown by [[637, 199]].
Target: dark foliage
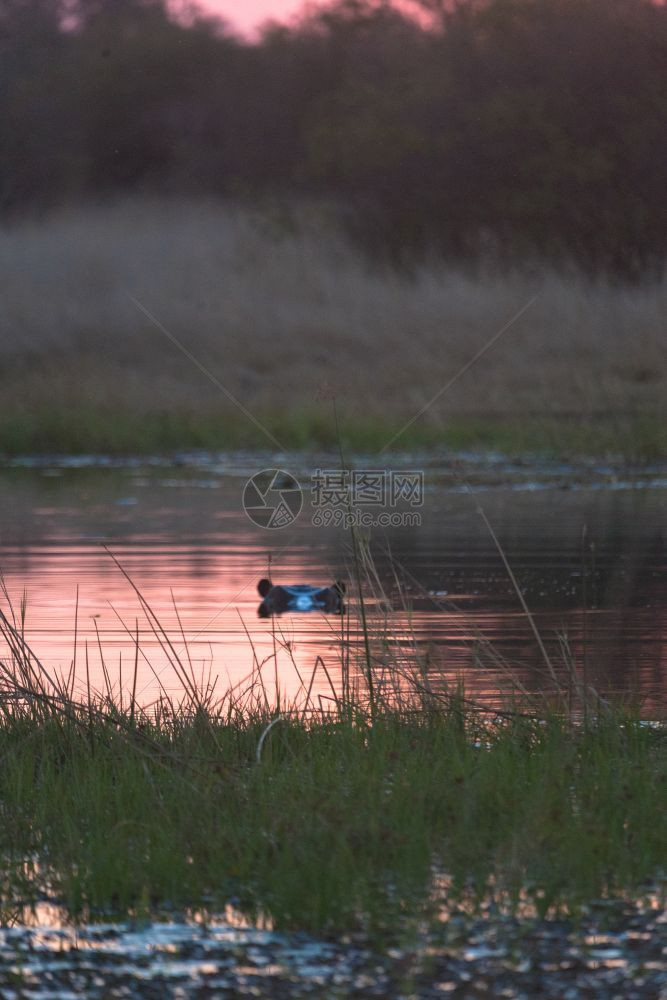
[[508, 127]]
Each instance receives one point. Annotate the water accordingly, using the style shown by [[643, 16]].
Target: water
[[586, 545], [615, 950]]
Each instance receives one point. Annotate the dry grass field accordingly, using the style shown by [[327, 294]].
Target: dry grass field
[[286, 314]]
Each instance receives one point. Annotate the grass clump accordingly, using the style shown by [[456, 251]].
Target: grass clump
[[341, 824], [329, 819], [370, 809]]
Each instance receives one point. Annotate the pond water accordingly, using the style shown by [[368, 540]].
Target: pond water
[[586, 544], [615, 950]]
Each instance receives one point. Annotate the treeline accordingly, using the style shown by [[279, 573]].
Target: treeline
[[512, 128]]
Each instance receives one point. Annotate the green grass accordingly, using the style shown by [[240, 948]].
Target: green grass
[[340, 823], [369, 809], [285, 319], [88, 429]]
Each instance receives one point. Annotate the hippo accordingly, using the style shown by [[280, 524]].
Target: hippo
[[276, 599]]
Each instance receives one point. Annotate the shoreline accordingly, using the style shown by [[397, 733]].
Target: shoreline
[[638, 439]]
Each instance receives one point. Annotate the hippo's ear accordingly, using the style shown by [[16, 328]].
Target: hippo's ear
[[264, 586], [339, 585]]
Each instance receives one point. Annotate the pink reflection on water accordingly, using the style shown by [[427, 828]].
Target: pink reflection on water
[[200, 546], [214, 590]]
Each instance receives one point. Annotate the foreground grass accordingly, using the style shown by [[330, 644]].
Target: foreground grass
[[44, 429], [369, 809], [339, 824]]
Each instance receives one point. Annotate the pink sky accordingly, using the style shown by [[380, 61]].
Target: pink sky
[[248, 14]]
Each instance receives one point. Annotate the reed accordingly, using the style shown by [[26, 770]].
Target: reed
[[373, 808], [281, 316]]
